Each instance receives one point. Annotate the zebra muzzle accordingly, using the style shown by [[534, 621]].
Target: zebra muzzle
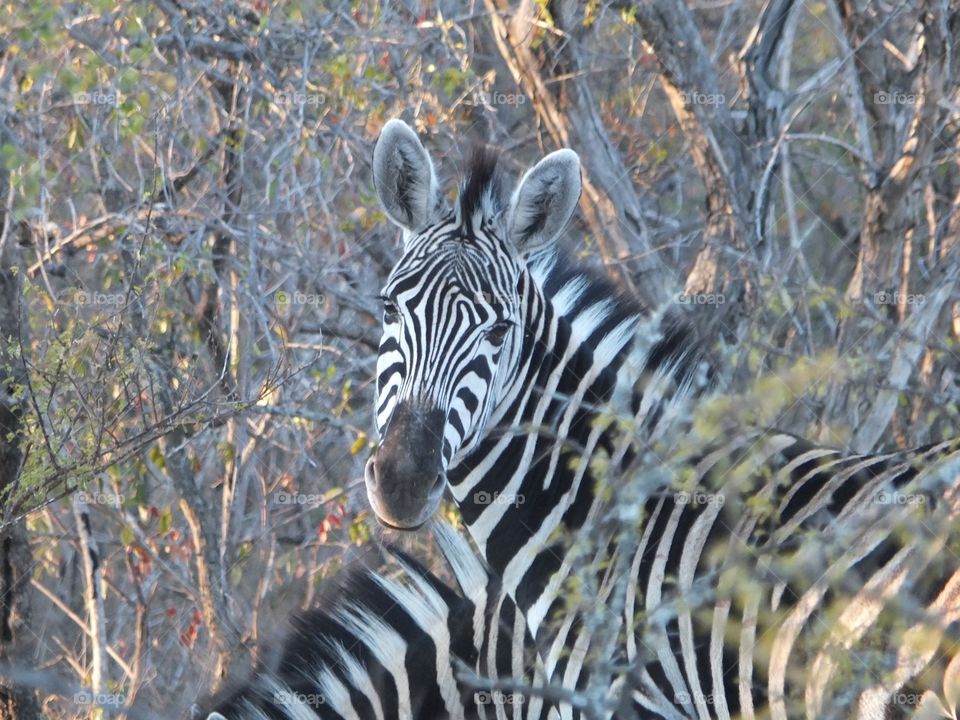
[[404, 478]]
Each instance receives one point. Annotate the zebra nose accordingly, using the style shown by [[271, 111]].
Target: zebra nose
[[374, 473], [397, 506], [404, 479]]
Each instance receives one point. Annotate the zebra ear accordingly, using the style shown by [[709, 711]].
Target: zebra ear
[[403, 176], [544, 201]]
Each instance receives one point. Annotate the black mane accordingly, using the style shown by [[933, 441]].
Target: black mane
[[678, 345], [483, 189]]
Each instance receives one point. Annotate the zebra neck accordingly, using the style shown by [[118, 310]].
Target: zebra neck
[[528, 483]]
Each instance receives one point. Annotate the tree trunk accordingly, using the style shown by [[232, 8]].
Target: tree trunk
[[16, 637]]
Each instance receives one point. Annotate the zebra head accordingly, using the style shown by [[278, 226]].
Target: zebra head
[[454, 310]]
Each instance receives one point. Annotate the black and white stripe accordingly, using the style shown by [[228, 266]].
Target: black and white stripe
[[395, 648], [501, 368]]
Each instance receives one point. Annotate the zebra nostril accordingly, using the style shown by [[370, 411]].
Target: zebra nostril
[[371, 474]]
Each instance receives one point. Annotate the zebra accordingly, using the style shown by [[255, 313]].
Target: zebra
[[395, 648], [500, 364]]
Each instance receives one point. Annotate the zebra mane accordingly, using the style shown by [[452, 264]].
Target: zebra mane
[[670, 344], [483, 190], [328, 647], [556, 273]]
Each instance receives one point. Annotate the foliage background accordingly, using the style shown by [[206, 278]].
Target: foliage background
[[191, 252]]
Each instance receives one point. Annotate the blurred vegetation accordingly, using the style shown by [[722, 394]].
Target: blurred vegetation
[[191, 221]]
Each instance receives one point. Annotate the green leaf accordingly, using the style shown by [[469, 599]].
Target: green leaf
[[166, 521], [157, 458]]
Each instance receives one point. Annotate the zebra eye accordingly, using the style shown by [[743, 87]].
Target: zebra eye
[[390, 311], [498, 333]]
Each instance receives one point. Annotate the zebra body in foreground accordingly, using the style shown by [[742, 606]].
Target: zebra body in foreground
[[395, 648], [499, 371]]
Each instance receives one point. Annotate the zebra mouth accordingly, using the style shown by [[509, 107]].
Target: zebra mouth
[[402, 507], [388, 526]]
